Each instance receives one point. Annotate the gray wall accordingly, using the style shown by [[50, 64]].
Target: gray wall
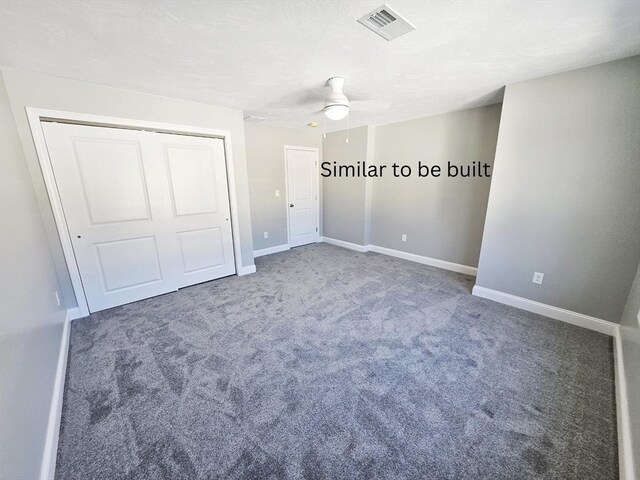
[[442, 217], [630, 336], [27, 89], [344, 199], [265, 164], [565, 193], [30, 320]]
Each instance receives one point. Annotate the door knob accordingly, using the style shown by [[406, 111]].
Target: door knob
[[291, 205]]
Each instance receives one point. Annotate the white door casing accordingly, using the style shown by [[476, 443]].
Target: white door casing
[[146, 212], [302, 194]]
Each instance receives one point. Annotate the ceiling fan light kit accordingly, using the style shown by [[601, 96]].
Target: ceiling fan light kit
[[336, 112]]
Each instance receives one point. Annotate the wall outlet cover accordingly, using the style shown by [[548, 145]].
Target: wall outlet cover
[[404, 237], [277, 193], [537, 278], [266, 234]]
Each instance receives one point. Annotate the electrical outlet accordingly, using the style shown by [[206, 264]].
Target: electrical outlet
[[57, 298], [266, 234], [537, 278], [277, 193], [404, 237]]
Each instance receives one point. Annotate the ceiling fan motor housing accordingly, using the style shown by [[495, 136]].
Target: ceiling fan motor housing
[[336, 95], [336, 107]]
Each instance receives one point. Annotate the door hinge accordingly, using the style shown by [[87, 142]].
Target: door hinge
[[316, 229]]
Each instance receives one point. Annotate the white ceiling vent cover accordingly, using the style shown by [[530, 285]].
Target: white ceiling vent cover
[[386, 23], [254, 118]]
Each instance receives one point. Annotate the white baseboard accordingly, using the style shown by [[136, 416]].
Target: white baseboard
[[625, 453], [270, 250], [74, 313], [349, 245], [433, 262], [568, 316], [412, 257], [246, 270], [48, 466]]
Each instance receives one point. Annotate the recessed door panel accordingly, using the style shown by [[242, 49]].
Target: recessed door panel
[[303, 175], [128, 263], [193, 179], [112, 177], [302, 188], [302, 222], [201, 249]]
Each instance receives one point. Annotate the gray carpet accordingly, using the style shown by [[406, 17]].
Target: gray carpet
[[333, 364]]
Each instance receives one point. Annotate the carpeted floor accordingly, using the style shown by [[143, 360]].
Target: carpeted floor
[[333, 364]]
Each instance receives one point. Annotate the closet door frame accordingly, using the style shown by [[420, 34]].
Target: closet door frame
[[37, 115]]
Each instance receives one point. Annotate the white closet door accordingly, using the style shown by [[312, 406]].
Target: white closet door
[[200, 215], [123, 209]]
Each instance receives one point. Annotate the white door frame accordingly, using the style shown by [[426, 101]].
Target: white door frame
[[317, 184], [37, 115]]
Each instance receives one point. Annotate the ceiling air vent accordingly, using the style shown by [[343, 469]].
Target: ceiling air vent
[[254, 118], [386, 23]]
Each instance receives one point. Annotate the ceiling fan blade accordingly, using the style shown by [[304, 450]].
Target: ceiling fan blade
[[309, 97], [315, 94], [370, 106], [359, 97]]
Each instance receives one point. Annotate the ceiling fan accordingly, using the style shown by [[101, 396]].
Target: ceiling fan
[[335, 104]]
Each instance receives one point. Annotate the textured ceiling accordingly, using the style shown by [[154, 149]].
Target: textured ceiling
[[271, 58]]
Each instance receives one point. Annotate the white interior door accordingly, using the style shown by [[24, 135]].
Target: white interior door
[[147, 213], [302, 195], [200, 217]]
